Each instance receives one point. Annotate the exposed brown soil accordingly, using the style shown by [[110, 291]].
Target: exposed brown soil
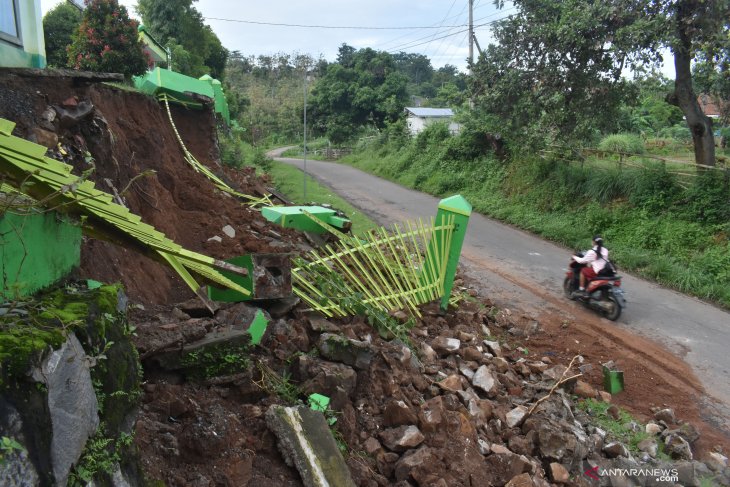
[[129, 134]]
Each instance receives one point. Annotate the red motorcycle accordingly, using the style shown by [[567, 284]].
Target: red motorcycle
[[603, 293]]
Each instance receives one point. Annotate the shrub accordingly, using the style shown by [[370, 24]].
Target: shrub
[[628, 143], [678, 132], [107, 41]]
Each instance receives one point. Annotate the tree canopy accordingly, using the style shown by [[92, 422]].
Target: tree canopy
[[59, 24], [196, 49], [363, 88], [107, 40], [556, 67]]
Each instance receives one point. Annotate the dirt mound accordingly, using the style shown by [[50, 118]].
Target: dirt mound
[[128, 134]]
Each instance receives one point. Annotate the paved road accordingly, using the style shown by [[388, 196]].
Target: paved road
[[695, 331]]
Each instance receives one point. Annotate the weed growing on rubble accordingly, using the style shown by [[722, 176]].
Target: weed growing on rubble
[[616, 429]]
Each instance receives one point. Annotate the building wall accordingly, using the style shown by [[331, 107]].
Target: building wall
[[32, 53], [27, 262], [416, 125]]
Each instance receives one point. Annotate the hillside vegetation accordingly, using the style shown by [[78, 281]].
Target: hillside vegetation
[[656, 223]]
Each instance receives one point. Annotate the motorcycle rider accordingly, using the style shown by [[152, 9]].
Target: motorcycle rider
[[597, 258]]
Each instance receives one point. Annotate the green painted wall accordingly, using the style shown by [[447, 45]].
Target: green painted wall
[[36, 251], [33, 52]]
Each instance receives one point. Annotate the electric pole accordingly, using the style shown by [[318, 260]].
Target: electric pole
[[471, 33]]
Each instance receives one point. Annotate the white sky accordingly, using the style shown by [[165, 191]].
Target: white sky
[[447, 43]]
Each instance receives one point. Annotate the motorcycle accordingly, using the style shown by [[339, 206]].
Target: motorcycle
[[603, 293]]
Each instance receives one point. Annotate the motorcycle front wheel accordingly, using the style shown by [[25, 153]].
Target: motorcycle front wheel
[[615, 310], [568, 287]]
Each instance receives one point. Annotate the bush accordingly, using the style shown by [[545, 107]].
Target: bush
[[107, 41], [628, 143], [678, 132]]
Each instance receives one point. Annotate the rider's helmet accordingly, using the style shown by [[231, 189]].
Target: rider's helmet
[[597, 238]]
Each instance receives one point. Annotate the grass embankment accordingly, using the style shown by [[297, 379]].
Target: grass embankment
[[656, 223]]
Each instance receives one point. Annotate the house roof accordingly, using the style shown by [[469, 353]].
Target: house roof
[[430, 112]]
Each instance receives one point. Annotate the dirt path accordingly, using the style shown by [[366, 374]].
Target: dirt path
[[672, 348]]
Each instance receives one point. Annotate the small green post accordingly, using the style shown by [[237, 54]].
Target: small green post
[[457, 209]]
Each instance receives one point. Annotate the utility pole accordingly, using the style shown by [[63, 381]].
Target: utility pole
[[306, 81], [471, 33]]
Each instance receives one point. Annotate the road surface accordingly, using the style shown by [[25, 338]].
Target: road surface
[[529, 271]]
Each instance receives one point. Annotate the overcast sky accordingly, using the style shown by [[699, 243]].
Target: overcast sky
[[444, 42], [440, 26]]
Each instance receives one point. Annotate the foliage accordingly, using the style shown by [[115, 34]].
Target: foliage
[[196, 49], [101, 456], [214, 361], [9, 446], [363, 88], [269, 95], [556, 66], [626, 143], [59, 24], [616, 429], [107, 40], [236, 153]]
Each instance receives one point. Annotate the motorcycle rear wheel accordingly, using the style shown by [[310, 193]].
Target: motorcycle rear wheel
[[568, 288], [615, 312]]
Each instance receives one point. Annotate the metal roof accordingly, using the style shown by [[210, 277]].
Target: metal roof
[[430, 112]]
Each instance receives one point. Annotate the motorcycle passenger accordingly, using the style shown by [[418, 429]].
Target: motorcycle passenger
[[597, 258]]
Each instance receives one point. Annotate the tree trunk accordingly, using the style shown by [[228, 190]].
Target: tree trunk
[[684, 96]]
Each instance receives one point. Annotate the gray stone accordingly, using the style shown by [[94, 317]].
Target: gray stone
[[653, 428], [483, 447], [716, 461], [677, 447], [445, 345], [690, 473], [484, 379], [16, 469], [402, 438], [515, 416], [215, 238], [71, 402], [306, 442], [493, 347], [229, 231], [666, 415], [558, 473], [521, 480], [649, 446], [615, 449], [319, 325], [412, 461], [341, 349]]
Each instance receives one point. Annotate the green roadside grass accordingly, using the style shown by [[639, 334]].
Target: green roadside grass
[[289, 180]]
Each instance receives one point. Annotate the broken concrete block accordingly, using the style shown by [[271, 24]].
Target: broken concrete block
[[350, 352], [484, 379], [515, 417], [402, 438], [305, 441]]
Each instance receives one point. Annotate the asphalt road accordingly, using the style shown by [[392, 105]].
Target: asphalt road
[[527, 272]]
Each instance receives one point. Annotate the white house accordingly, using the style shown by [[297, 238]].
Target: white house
[[419, 118]]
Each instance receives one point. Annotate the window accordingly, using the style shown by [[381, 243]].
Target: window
[[9, 22]]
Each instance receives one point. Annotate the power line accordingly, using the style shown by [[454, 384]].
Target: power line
[[412, 45], [352, 27]]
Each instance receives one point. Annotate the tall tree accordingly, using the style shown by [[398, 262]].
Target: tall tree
[[107, 40], [59, 24], [179, 25], [362, 88], [564, 60], [697, 27]]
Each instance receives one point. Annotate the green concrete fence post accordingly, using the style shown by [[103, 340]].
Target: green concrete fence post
[[457, 209]]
